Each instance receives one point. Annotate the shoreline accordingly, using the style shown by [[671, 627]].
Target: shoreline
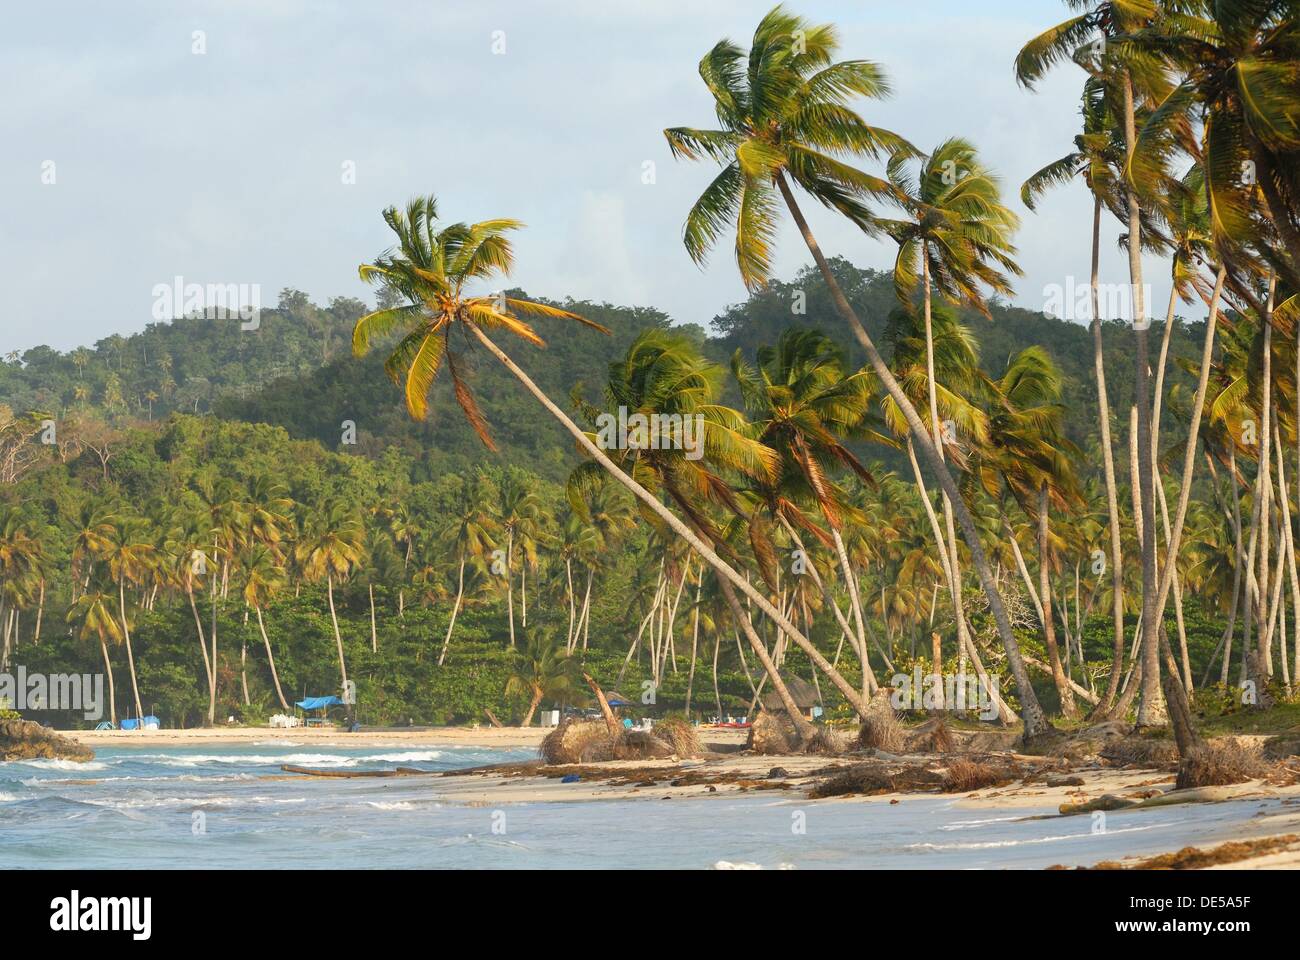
[[726, 771]]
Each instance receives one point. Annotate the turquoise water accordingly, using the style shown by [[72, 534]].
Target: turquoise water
[[210, 807]]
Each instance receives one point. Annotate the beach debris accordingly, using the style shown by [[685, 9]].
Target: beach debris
[[881, 729], [571, 778], [679, 735], [875, 777], [577, 741], [1221, 762], [772, 733], [932, 736], [1194, 858], [641, 745], [1212, 794], [967, 775], [1136, 750]]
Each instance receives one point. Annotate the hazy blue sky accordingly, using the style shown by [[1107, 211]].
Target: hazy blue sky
[[226, 167]]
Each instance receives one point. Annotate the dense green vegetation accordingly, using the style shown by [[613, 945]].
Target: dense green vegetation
[[895, 470]]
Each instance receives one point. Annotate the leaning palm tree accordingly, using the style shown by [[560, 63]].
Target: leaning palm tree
[[806, 408], [786, 122], [428, 275], [663, 375]]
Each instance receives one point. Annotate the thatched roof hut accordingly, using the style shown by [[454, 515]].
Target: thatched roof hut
[[803, 693]]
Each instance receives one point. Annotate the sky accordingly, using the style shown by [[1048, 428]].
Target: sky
[[215, 142]]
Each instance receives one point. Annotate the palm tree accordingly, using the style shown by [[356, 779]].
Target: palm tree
[[541, 670], [784, 114], [94, 615], [662, 374], [428, 274], [1097, 160], [331, 547], [1030, 453], [187, 546], [264, 577], [1126, 78], [469, 535], [128, 555], [805, 408], [519, 513]]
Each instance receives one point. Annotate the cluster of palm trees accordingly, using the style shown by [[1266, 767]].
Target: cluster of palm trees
[[1191, 124]]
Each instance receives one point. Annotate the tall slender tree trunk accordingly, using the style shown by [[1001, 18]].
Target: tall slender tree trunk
[[1151, 710], [198, 623], [954, 589], [270, 659], [455, 609], [573, 604], [510, 582], [338, 637], [130, 656], [108, 669], [1063, 689], [695, 639], [1035, 721], [374, 632]]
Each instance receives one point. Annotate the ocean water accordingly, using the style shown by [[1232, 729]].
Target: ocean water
[[213, 807]]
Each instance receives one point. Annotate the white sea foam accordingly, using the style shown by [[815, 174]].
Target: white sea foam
[[64, 764], [989, 844]]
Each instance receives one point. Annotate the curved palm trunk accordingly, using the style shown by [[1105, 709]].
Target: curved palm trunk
[[532, 707], [945, 562], [198, 623], [695, 639], [374, 632], [270, 659], [728, 578], [573, 604], [108, 669], [1108, 465], [126, 637], [1189, 456], [1031, 712], [869, 683], [455, 609], [1063, 689], [846, 630], [510, 583], [338, 637]]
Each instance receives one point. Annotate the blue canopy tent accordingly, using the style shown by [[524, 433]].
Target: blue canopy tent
[[318, 703], [145, 723]]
